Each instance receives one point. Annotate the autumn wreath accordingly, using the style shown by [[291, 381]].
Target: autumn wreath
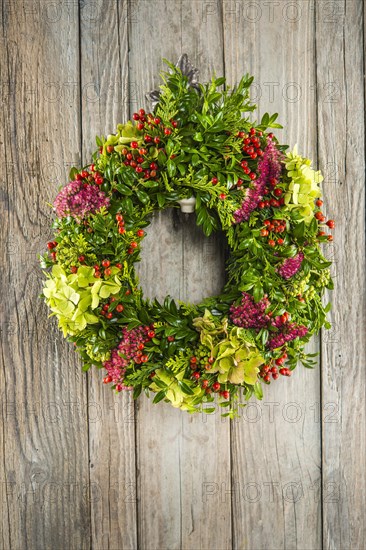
[[198, 149]]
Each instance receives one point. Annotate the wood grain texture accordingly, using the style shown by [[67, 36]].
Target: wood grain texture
[[105, 89], [82, 468], [44, 472], [341, 109], [276, 455]]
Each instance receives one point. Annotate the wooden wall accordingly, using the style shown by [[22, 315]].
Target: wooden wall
[[81, 468]]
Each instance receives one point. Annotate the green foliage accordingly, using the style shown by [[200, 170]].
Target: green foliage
[[193, 144]]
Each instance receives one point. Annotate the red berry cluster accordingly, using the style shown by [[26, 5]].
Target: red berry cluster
[[51, 247], [252, 147], [274, 371], [91, 177], [321, 219], [206, 384], [272, 227]]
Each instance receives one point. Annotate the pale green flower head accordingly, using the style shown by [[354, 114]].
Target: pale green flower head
[[237, 358], [304, 186], [175, 394], [72, 298]]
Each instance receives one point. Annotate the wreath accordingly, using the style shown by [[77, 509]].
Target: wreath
[[197, 150]]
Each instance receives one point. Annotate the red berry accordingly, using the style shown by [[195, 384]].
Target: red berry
[[283, 371], [280, 241], [267, 377], [106, 263], [119, 266], [264, 233], [273, 370], [319, 215], [193, 359], [134, 144], [81, 259], [156, 139], [261, 204], [167, 131], [157, 120], [134, 244], [151, 334], [107, 272], [99, 180], [239, 182], [278, 192], [252, 131], [73, 269], [140, 233], [222, 196], [211, 360], [330, 237], [331, 224], [110, 148], [214, 181], [226, 394], [121, 230], [280, 361], [50, 245], [205, 383], [275, 375], [119, 387], [119, 308], [107, 379], [270, 136], [109, 315], [252, 176], [319, 203], [216, 386], [170, 338], [271, 242], [119, 217], [196, 375]]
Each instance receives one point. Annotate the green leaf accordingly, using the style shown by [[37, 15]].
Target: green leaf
[[123, 189], [299, 230], [161, 200], [171, 167], [72, 173], [185, 388], [159, 396], [142, 196]]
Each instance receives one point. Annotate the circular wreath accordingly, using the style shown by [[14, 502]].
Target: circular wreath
[[197, 150]]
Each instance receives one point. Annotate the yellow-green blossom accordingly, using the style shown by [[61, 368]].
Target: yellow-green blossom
[[304, 186]]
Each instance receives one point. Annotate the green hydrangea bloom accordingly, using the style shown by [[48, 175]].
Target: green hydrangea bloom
[[237, 358], [72, 298], [304, 186], [176, 390]]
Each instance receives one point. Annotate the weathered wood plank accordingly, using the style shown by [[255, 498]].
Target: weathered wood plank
[[341, 109], [276, 445], [181, 459], [104, 84], [44, 469]]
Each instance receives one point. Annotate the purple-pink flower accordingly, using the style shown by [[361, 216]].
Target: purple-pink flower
[[290, 266], [269, 168], [250, 314], [78, 199], [129, 349], [289, 332]]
